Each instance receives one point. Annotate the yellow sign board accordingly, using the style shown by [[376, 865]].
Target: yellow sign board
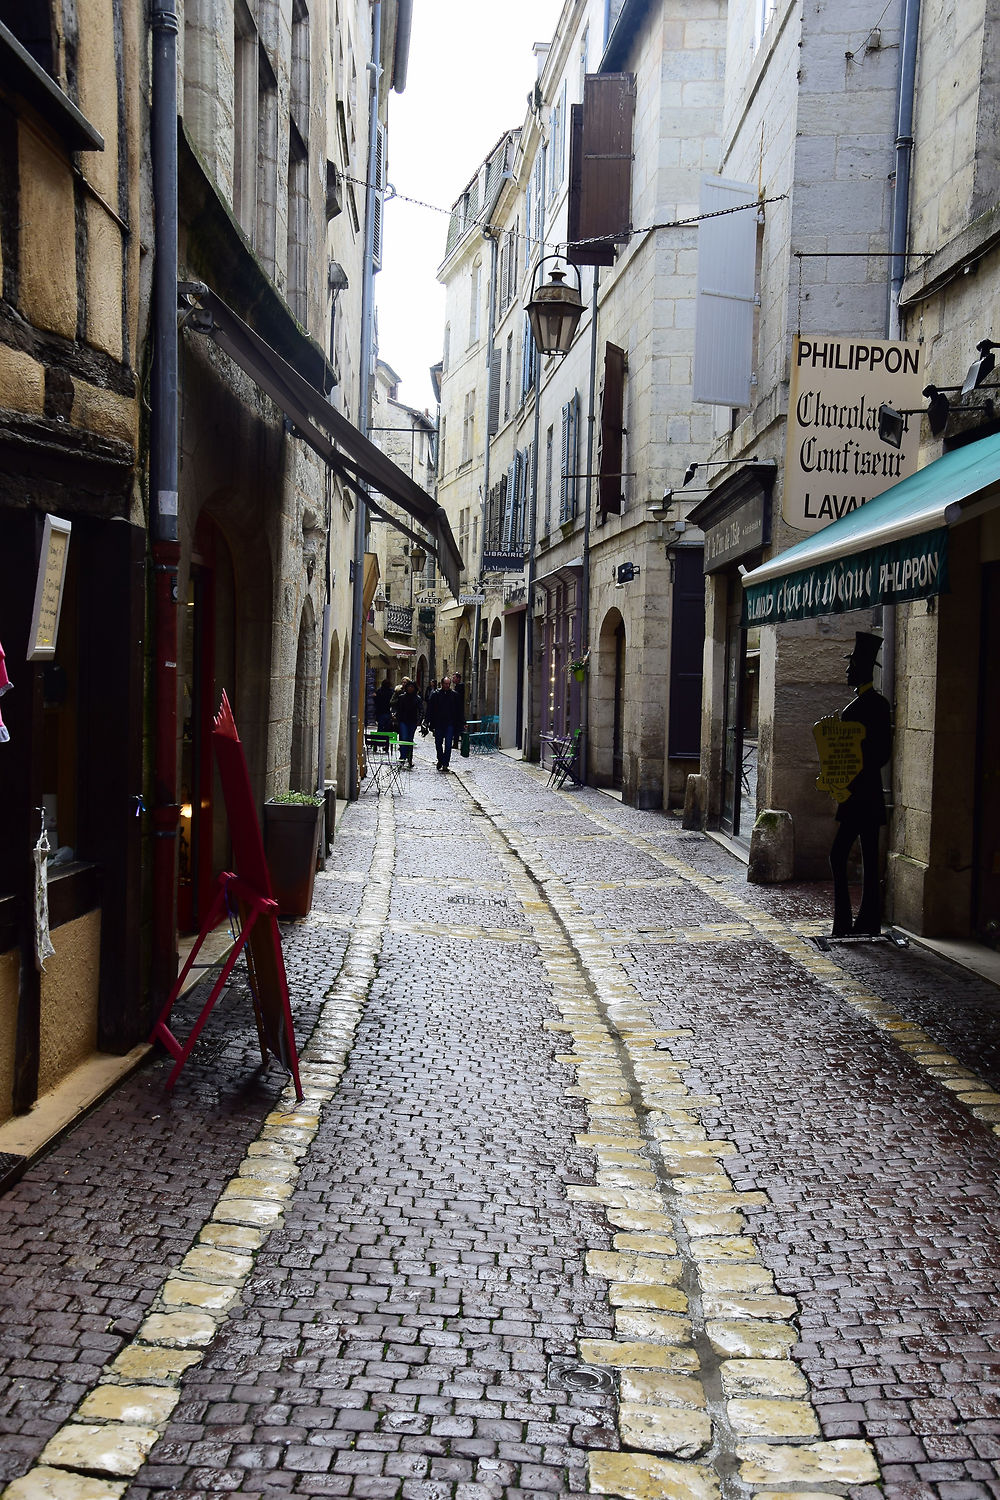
[[839, 746]]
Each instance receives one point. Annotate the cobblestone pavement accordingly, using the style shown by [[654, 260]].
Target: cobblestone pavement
[[606, 1179]]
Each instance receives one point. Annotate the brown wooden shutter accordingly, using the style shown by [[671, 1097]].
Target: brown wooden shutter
[[612, 419], [600, 186]]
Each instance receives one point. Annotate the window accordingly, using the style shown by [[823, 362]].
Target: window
[[557, 155], [245, 119], [508, 372], [568, 459], [298, 225], [267, 162], [299, 95], [527, 359], [476, 297], [468, 426], [31, 23]]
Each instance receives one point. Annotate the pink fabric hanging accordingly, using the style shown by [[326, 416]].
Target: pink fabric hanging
[[5, 683]]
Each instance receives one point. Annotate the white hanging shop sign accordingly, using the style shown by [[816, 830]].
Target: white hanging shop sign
[[835, 460], [49, 589]]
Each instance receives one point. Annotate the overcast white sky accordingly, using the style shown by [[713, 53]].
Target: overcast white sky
[[471, 67]]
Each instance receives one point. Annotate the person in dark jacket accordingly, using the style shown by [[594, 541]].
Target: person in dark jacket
[[383, 706], [407, 710], [447, 719], [863, 813]]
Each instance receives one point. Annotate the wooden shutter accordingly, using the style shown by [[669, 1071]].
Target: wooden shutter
[[612, 416], [377, 197], [493, 421], [724, 306], [567, 459], [601, 168]]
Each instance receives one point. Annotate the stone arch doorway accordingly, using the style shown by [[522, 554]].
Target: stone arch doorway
[[302, 770], [608, 711], [492, 704], [332, 709]]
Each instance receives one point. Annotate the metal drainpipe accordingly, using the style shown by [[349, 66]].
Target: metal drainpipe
[[585, 584], [367, 341], [163, 466], [491, 325], [897, 264], [527, 739]]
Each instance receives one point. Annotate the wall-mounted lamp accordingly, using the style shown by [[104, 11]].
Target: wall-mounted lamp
[[981, 367], [418, 558], [892, 422], [624, 573]]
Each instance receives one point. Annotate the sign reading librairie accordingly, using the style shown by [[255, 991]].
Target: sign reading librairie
[[835, 460], [49, 589]]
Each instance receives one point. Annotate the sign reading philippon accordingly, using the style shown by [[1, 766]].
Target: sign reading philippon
[[834, 458]]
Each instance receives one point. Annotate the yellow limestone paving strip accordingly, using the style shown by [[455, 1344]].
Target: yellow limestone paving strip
[[971, 1090], [740, 1317], [110, 1435]]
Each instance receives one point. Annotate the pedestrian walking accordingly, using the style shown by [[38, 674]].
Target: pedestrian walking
[[447, 719], [407, 711]]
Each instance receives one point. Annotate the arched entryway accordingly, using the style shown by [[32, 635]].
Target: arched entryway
[[608, 708], [305, 717], [491, 704]]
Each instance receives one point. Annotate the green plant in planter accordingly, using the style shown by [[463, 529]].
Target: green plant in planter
[[292, 823], [297, 799]]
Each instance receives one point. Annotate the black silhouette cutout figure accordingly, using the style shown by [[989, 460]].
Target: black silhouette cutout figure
[[863, 814]]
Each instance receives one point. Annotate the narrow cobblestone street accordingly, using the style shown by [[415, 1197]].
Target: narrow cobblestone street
[[607, 1179]]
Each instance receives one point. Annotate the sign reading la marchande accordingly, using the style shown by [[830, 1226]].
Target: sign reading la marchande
[[835, 460]]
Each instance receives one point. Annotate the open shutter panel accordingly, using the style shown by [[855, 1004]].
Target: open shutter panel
[[377, 197], [724, 307], [601, 162], [564, 464], [574, 448], [612, 413], [493, 422], [509, 503]]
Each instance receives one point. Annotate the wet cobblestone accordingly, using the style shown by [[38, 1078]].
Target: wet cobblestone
[[396, 1333]]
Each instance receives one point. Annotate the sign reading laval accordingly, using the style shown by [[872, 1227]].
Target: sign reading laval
[[835, 460]]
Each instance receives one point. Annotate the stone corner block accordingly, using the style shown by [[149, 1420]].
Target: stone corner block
[[772, 848]]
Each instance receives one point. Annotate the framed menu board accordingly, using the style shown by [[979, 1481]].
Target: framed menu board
[[49, 589]]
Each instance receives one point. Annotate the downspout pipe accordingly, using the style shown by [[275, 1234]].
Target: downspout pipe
[[163, 466], [904, 160], [897, 263], [367, 343]]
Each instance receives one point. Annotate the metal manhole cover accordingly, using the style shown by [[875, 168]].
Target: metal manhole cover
[[570, 1375], [11, 1165]]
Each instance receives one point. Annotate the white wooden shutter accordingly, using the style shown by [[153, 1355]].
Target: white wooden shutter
[[724, 313], [377, 197]]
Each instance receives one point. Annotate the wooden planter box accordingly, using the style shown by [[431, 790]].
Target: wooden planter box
[[291, 843]]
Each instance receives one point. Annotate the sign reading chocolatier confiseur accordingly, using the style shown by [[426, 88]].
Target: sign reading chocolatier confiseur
[[834, 458]]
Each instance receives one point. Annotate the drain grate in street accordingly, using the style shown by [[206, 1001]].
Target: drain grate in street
[[570, 1375], [11, 1167]]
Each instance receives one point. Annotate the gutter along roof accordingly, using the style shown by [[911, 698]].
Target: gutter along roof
[[337, 441]]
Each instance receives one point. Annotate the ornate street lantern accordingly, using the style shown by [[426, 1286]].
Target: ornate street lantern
[[554, 311]]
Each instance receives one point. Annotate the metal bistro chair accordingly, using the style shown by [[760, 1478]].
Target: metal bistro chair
[[379, 746], [565, 760], [486, 737]]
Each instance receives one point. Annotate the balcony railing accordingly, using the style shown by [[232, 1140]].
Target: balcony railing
[[399, 619]]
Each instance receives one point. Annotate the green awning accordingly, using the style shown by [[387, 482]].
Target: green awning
[[892, 549]]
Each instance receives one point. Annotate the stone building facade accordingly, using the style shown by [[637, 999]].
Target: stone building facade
[[547, 445], [74, 216], [277, 236]]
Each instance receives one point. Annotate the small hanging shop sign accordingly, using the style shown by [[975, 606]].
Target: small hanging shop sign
[[49, 589], [915, 567]]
